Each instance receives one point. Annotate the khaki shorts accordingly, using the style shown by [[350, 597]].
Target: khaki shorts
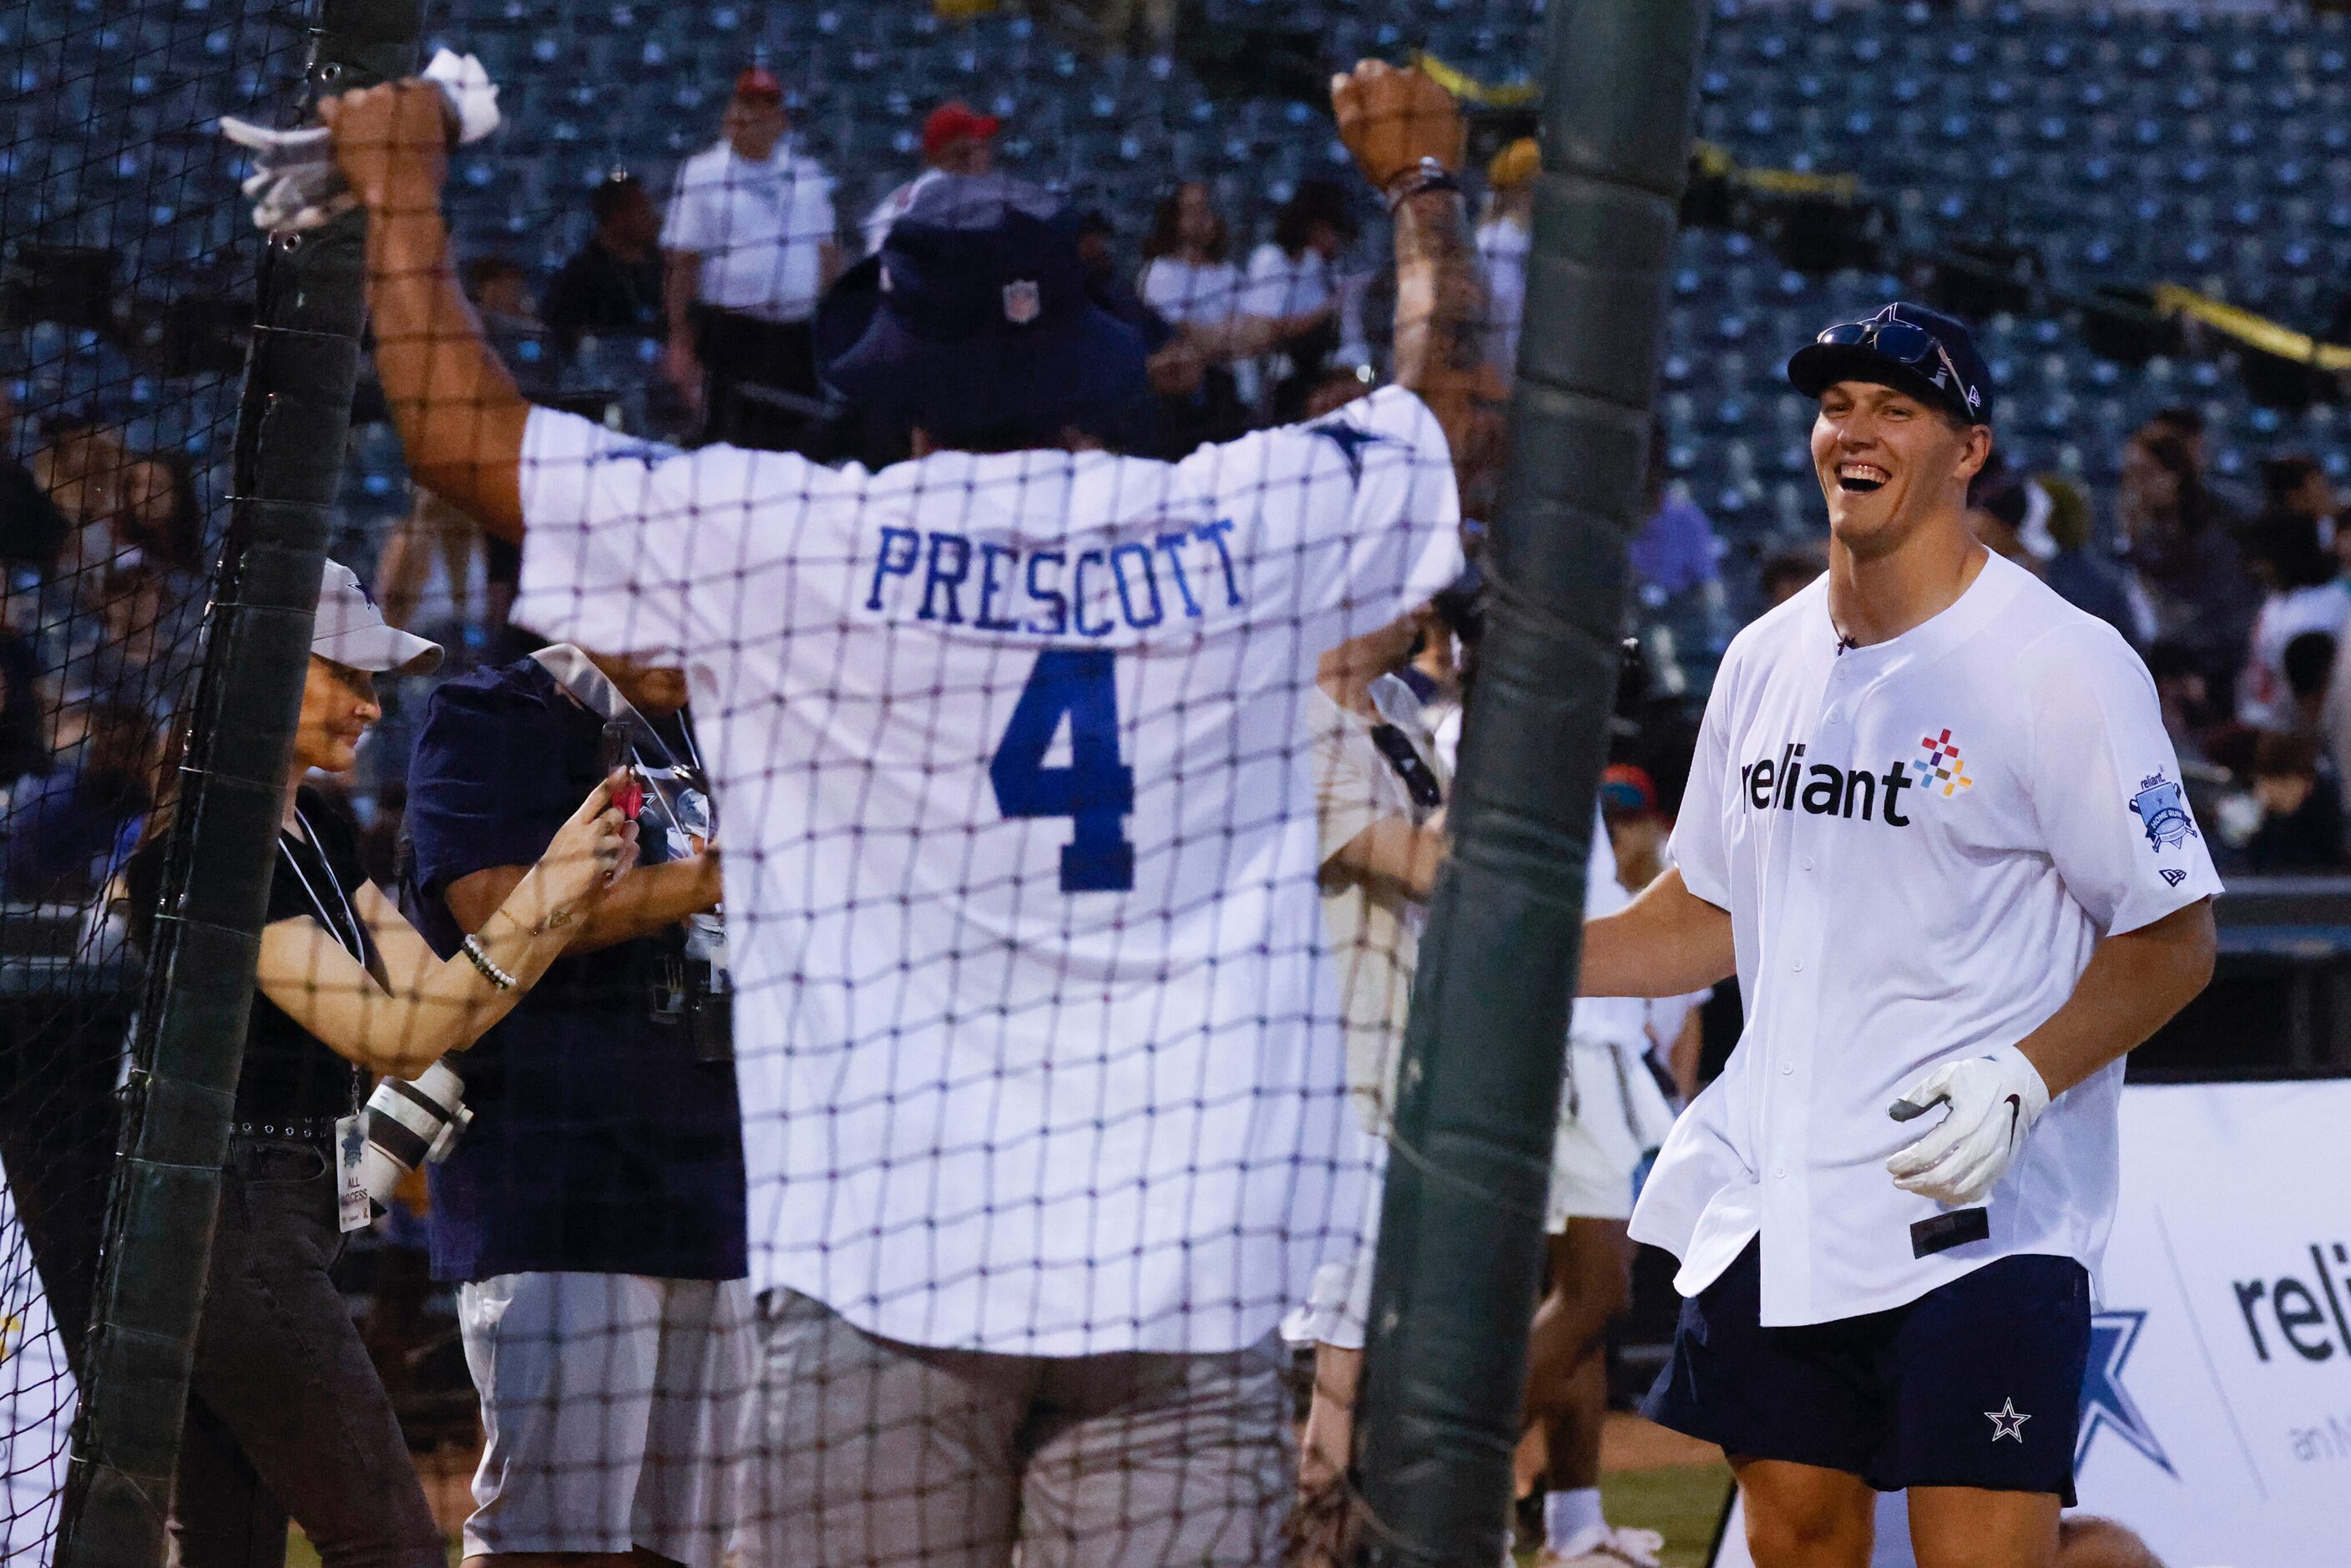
[[612, 1405], [870, 1452]]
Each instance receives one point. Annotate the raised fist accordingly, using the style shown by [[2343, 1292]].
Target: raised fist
[[1390, 119], [390, 138]]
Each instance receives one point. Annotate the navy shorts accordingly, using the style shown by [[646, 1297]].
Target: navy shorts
[[1976, 1384]]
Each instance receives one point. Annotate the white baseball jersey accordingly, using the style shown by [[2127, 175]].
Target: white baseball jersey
[[1036, 1037], [1919, 843]]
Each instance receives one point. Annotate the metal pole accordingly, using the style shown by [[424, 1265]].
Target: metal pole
[[290, 437], [1461, 1239]]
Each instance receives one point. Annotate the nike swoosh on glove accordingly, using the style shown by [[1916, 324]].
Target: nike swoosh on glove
[[1993, 1102]]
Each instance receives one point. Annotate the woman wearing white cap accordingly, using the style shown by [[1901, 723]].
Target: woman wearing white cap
[[286, 1414]]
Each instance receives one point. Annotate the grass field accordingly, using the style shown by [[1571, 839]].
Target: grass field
[[1654, 1480], [1682, 1501]]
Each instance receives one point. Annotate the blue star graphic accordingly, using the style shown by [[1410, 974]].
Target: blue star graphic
[[1351, 440], [2007, 1421], [2105, 1403]]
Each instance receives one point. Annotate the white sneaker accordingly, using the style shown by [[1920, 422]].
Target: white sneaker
[[1603, 1546]]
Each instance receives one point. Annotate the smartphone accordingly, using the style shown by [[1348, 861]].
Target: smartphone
[[620, 757]]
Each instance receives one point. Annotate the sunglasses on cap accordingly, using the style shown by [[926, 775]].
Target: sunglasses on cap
[[1906, 343]]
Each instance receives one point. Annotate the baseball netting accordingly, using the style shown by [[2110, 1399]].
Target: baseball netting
[[835, 1006], [123, 302]]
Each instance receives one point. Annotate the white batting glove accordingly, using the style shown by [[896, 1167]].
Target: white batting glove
[[1993, 1102], [295, 184]]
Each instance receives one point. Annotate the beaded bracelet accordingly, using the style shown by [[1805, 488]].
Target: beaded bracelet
[[473, 949]]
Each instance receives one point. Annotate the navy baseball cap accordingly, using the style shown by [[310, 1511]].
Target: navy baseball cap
[[1924, 352], [976, 319]]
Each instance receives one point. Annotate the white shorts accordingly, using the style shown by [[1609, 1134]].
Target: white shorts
[[1611, 1114], [610, 1412]]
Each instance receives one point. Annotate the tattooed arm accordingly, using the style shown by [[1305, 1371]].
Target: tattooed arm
[[459, 416], [1395, 121]]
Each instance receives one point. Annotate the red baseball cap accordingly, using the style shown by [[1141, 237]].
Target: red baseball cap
[[758, 84], [954, 121], [1628, 791]]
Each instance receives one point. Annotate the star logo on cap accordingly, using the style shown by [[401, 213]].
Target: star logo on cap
[[1022, 302], [2007, 1421]]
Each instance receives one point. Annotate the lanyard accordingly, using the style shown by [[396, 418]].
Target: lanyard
[[347, 931]]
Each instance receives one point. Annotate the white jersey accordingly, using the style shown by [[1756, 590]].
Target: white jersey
[[1035, 1039], [36, 1402], [891, 207], [2264, 697], [1919, 843]]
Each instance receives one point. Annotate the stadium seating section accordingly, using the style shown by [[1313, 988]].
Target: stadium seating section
[[2117, 149]]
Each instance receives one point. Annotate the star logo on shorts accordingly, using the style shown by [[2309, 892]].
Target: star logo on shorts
[[2007, 1421]]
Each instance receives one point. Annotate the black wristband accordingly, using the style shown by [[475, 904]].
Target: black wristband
[[1423, 177]]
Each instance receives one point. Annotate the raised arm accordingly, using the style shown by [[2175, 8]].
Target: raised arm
[[424, 1006], [458, 412], [1406, 136]]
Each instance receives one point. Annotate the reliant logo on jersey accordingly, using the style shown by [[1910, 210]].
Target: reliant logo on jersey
[[1943, 765], [1788, 783]]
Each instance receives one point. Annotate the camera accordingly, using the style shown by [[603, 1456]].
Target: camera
[[409, 1124]]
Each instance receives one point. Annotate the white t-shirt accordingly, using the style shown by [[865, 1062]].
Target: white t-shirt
[[1919, 843], [1036, 1040], [1281, 284], [1612, 1020], [1503, 245], [759, 228], [891, 207], [1375, 930], [2264, 700], [1186, 292]]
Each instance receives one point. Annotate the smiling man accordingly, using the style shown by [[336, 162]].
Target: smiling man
[[1935, 827]]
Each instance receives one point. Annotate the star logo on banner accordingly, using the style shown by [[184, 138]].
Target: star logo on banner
[[2107, 1405], [2007, 1421]]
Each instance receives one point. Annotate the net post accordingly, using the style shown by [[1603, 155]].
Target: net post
[[292, 426], [1461, 1239]]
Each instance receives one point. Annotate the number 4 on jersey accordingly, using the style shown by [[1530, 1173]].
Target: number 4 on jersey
[[1096, 790]]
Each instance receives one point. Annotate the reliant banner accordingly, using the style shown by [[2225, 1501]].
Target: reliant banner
[[2216, 1415]]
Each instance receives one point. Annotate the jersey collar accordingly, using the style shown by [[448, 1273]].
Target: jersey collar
[[1994, 587]]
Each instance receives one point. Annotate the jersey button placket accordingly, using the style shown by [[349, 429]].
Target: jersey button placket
[[1788, 1092]]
